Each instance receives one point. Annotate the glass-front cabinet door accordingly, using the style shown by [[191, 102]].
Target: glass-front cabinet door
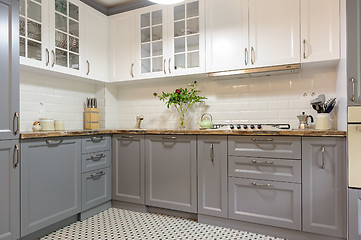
[[188, 41], [151, 29], [65, 35], [33, 33]]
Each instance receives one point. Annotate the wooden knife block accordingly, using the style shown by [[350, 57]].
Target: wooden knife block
[[91, 118]]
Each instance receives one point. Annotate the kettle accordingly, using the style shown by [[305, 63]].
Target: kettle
[[304, 120], [205, 124]]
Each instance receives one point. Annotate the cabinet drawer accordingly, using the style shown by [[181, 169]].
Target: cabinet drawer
[[284, 170], [95, 144], [93, 161], [96, 188], [265, 202], [265, 146]]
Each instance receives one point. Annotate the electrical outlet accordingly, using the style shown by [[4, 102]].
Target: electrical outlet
[[41, 108]]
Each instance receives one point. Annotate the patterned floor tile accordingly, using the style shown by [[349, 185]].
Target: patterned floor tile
[[121, 224]]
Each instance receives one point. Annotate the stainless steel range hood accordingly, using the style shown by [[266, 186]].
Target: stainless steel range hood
[[263, 71]]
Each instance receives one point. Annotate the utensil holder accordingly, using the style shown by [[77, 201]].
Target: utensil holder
[[91, 118], [323, 121]]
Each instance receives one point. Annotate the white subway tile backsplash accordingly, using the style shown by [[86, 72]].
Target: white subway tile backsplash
[[271, 99]]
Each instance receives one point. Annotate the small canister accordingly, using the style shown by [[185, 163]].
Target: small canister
[[323, 121], [47, 124], [59, 125]]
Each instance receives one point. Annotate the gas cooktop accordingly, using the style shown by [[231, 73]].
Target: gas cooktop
[[252, 126]]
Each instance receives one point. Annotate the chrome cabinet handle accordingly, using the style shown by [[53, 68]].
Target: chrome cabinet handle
[[353, 89], [169, 138], [323, 157], [97, 157], [54, 142], [53, 53], [132, 70], [48, 56], [165, 72], [169, 66], [96, 139], [261, 185], [304, 48], [16, 115], [246, 56], [253, 55], [16, 164], [87, 62], [128, 137], [262, 162], [96, 175], [211, 153], [262, 140]]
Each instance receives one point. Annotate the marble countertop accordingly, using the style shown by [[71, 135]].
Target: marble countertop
[[295, 132]]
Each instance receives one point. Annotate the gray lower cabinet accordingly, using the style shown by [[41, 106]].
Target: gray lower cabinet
[[354, 216], [171, 180], [324, 188], [96, 143], [9, 69], [10, 190], [96, 188], [50, 182], [128, 168], [265, 202], [212, 175]]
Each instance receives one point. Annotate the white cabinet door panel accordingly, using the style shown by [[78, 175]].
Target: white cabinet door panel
[[274, 32]]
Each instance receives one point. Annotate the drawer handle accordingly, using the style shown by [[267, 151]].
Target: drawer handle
[[97, 157], [353, 89], [262, 140], [96, 139], [261, 185], [128, 137], [54, 142], [96, 175], [170, 138], [261, 162], [323, 157]]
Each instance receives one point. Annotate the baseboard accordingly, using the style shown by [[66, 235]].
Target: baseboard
[[172, 213], [263, 229], [95, 210], [129, 206], [52, 228]]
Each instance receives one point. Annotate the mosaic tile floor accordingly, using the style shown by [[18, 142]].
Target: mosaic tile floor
[[128, 225]]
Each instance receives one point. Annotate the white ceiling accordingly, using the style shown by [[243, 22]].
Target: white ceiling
[[113, 3]]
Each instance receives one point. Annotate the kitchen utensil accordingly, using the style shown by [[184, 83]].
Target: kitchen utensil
[[304, 120], [207, 123], [330, 108], [95, 103], [328, 105]]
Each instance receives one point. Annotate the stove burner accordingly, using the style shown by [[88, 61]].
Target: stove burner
[[252, 126]]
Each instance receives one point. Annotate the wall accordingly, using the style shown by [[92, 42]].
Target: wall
[[272, 99], [63, 99]]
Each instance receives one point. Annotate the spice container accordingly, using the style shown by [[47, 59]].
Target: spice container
[[47, 124]]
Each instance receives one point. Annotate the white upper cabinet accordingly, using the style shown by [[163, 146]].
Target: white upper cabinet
[[186, 49], [320, 32], [66, 36], [274, 28], [34, 36], [95, 60], [227, 35], [151, 40], [122, 47], [170, 40], [252, 33]]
